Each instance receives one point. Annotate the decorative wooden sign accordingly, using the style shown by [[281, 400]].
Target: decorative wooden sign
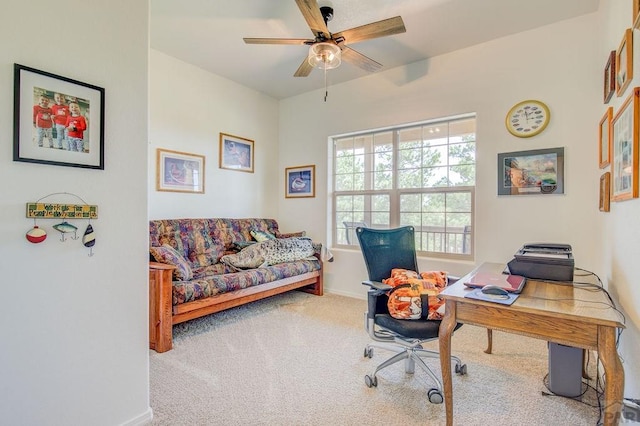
[[61, 211]]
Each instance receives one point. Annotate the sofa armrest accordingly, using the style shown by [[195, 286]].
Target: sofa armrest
[[160, 306]]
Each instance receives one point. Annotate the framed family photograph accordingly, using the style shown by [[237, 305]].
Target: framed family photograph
[[179, 171], [300, 182], [236, 153], [534, 172], [604, 147], [57, 120], [609, 85], [624, 62], [624, 152]]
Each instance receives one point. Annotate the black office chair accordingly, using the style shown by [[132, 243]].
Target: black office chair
[[383, 250]]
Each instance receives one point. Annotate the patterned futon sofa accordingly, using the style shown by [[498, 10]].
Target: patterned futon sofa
[[201, 266]]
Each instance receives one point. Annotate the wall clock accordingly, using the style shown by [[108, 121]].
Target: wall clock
[[527, 118]]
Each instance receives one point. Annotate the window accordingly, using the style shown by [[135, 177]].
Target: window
[[420, 174]]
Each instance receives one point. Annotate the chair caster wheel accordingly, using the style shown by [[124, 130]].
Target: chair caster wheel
[[435, 396], [461, 370], [371, 382], [368, 352]]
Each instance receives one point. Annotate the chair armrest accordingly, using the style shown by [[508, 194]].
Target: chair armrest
[[376, 285], [452, 279]]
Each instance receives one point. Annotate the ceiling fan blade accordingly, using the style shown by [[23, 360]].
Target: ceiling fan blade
[[358, 59], [311, 12], [382, 28], [249, 40], [304, 69]]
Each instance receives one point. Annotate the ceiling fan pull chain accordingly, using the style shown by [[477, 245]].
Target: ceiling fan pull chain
[[326, 91]]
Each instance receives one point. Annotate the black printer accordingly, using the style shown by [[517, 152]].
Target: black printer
[[543, 261]]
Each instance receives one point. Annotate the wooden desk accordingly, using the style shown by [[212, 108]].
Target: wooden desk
[[560, 313]]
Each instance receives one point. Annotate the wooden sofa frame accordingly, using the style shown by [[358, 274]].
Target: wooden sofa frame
[[162, 315]]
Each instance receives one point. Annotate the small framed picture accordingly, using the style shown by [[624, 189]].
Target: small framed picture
[[179, 171], [236, 153], [605, 192], [624, 152], [604, 157], [624, 62], [636, 14], [610, 77], [57, 120], [300, 182]]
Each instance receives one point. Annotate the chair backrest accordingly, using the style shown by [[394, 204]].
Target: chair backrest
[[385, 249]]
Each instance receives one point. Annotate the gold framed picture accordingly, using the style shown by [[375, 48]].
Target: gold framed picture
[[636, 14], [236, 153], [624, 62], [624, 160], [300, 182], [179, 171], [605, 192], [604, 148], [609, 85]]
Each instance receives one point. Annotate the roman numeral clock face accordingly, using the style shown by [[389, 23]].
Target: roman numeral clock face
[[527, 118]]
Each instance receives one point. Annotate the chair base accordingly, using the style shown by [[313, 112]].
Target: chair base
[[411, 355]]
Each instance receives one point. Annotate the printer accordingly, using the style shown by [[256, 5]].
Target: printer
[[543, 261]]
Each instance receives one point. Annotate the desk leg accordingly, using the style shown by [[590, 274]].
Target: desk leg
[[444, 336], [613, 372]]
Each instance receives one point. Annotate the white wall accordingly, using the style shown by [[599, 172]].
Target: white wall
[[189, 108], [563, 70], [620, 234], [74, 328]]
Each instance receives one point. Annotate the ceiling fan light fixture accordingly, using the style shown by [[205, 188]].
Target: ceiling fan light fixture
[[325, 56]]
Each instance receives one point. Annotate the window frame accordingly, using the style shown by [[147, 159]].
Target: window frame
[[395, 193]]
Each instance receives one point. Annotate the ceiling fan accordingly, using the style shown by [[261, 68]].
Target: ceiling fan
[[327, 49]]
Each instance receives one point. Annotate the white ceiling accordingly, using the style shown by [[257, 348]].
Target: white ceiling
[[208, 34]]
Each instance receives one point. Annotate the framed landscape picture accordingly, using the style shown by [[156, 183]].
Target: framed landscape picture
[[179, 171], [300, 182], [236, 153], [539, 171], [57, 120]]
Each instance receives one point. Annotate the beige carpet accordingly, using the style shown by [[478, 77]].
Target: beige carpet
[[297, 359]]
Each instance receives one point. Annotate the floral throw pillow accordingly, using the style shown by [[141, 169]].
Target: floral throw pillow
[[169, 255], [261, 236]]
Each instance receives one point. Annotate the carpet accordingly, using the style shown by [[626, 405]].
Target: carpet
[[297, 359]]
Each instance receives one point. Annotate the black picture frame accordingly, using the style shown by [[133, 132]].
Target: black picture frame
[[535, 172], [38, 118]]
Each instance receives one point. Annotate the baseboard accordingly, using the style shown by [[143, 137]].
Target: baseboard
[[346, 293], [140, 420]]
